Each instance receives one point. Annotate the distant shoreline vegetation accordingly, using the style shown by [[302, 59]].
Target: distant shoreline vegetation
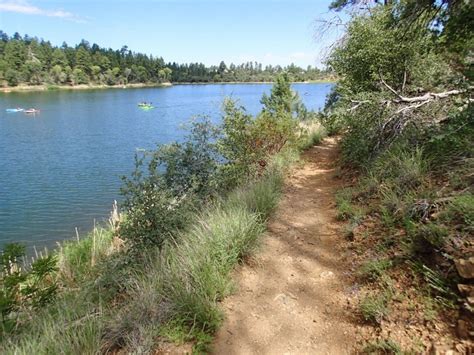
[[28, 62], [53, 87]]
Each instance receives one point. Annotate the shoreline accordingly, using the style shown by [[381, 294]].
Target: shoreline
[[256, 82], [45, 87]]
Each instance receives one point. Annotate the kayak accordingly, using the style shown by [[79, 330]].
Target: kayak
[[31, 110], [14, 110], [146, 107]]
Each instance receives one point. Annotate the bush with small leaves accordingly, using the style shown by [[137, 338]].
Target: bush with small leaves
[[23, 289]]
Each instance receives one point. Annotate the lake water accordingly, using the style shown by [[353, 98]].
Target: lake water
[[61, 169]]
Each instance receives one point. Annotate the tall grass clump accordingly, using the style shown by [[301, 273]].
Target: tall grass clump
[[76, 259], [312, 133]]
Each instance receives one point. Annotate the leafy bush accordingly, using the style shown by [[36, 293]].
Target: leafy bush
[[237, 145], [451, 144], [159, 199], [190, 167], [23, 289], [153, 213], [282, 99]]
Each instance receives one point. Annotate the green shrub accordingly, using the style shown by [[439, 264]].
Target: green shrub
[[154, 213], [384, 346], [237, 145], [190, 167], [374, 269], [345, 208], [440, 285], [461, 210], [428, 237], [23, 290], [451, 145], [404, 168], [374, 307], [312, 135]]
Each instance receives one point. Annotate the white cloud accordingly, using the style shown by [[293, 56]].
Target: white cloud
[[22, 7]]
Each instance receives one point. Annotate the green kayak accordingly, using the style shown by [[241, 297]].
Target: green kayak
[[145, 106]]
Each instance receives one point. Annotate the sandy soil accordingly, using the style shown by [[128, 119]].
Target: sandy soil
[[293, 296]]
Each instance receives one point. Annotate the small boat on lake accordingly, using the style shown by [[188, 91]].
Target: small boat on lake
[[31, 110], [146, 105], [18, 109]]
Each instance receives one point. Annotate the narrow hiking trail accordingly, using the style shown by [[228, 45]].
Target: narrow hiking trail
[[292, 297]]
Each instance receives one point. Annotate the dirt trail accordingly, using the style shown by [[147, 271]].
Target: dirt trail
[[293, 298]]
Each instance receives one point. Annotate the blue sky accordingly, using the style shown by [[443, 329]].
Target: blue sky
[[208, 31]]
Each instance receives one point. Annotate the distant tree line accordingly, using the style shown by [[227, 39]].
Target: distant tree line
[[247, 72], [31, 61]]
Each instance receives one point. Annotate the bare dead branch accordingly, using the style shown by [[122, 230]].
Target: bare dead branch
[[357, 104]]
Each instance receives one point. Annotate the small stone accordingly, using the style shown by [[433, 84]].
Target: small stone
[[466, 290], [465, 267]]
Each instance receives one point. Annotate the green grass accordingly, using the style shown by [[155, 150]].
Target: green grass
[[73, 322], [52, 87], [384, 346], [461, 210], [345, 208], [374, 307], [76, 259], [313, 134], [373, 270], [71, 325]]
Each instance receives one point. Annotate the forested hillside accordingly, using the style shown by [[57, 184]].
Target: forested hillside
[[404, 108], [32, 61]]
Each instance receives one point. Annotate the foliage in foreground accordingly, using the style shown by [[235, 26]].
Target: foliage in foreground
[[404, 109]]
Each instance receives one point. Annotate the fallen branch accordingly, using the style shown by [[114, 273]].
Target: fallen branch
[[412, 107], [357, 104], [429, 96]]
